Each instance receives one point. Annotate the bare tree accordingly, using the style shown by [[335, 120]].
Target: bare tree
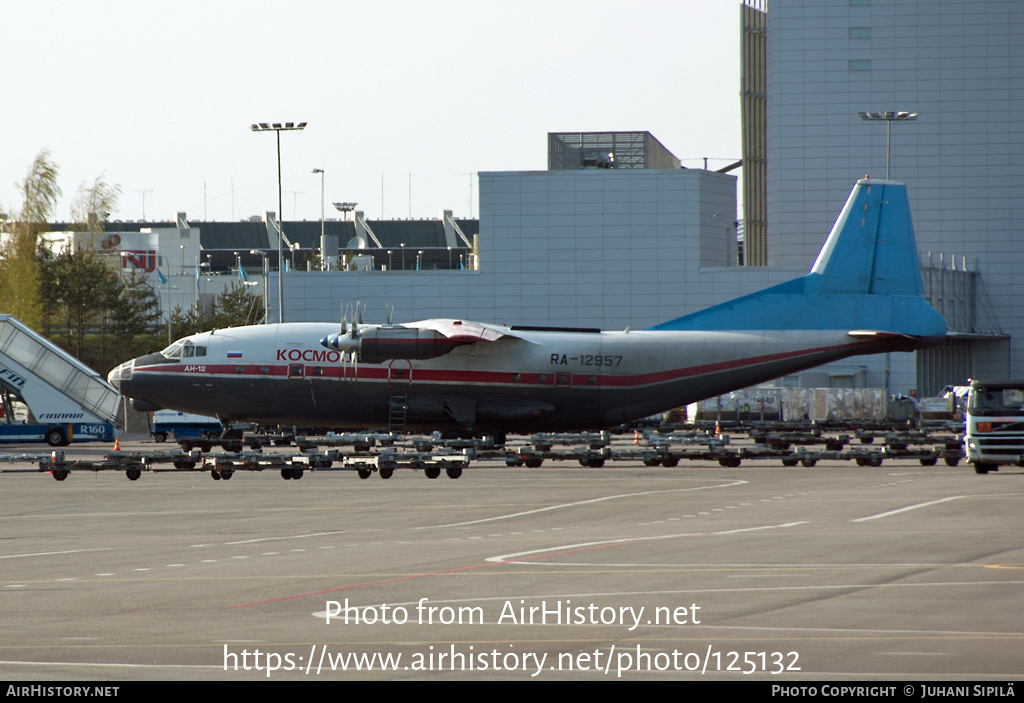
[[20, 277], [92, 208]]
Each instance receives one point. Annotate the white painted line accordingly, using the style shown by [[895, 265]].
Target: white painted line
[[903, 510], [583, 502]]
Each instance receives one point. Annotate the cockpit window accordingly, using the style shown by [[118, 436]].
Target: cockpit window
[[174, 351], [184, 348]]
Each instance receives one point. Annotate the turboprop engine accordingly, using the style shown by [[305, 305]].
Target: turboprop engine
[[373, 345]]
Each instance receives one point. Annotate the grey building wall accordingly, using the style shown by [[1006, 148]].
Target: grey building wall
[[597, 248], [960, 65]]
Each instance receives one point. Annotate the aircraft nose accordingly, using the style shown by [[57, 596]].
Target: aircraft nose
[[121, 373]]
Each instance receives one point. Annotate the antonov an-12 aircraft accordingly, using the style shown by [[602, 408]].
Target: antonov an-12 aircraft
[[862, 296]]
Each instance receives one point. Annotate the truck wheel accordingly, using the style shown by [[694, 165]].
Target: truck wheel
[[983, 468], [160, 436], [55, 437]]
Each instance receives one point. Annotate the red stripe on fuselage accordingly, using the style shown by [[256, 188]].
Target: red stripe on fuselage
[[434, 375]]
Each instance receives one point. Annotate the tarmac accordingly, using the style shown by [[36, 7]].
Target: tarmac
[[626, 572]]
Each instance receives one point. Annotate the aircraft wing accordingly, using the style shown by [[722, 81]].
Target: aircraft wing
[[465, 331]]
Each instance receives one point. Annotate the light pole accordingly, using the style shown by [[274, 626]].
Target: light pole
[[888, 118], [323, 263], [278, 127], [266, 278]]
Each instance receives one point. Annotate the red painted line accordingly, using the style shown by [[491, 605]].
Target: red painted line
[[419, 375]]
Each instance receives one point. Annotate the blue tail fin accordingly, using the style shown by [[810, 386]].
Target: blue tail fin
[[867, 277]]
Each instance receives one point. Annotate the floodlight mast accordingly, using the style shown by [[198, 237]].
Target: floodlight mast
[[888, 118], [278, 127]]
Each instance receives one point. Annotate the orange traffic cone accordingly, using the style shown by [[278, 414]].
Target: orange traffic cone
[[718, 430], [117, 444], [636, 436]]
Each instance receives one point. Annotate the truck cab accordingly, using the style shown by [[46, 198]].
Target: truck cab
[[994, 429]]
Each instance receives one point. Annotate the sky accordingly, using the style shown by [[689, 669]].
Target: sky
[[405, 100]]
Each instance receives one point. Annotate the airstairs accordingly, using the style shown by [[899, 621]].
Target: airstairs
[[56, 387]]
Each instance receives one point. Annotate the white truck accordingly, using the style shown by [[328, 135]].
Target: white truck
[[47, 395], [994, 429], [168, 423]]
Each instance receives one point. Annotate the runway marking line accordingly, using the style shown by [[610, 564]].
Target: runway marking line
[[499, 561], [907, 508]]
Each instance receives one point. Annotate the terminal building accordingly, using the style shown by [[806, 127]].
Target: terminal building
[[616, 234]]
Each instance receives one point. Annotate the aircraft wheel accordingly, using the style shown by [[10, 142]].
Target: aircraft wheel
[[60, 474], [952, 460], [55, 437], [497, 438], [363, 473], [454, 471], [133, 474], [432, 471], [533, 463], [160, 436], [387, 472]]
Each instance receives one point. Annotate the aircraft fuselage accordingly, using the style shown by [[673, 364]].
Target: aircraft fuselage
[[528, 381]]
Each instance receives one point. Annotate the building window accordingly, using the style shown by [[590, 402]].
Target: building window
[[860, 32], [861, 65]]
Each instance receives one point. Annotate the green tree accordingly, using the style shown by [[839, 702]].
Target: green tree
[[235, 306], [20, 270], [191, 321], [83, 289]]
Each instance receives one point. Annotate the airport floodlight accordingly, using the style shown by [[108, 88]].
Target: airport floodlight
[[277, 128], [323, 260], [888, 118]]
